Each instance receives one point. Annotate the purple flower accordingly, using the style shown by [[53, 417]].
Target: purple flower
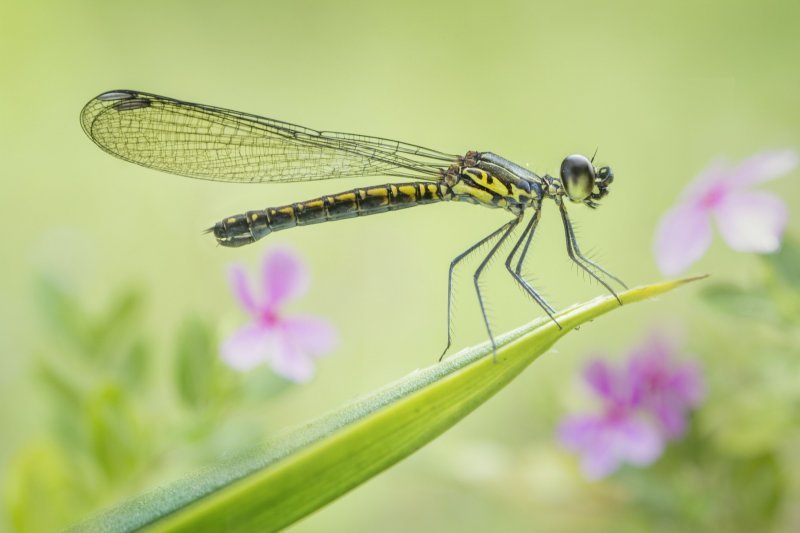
[[749, 221], [288, 343], [618, 433], [665, 389], [642, 406]]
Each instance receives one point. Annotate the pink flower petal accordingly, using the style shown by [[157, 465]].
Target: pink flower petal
[[606, 441], [638, 441], [752, 221], [670, 414], [237, 278], [300, 340], [285, 277], [290, 361], [312, 335], [715, 174], [600, 377], [682, 237], [599, 461], [578, 431], [764, 166], [650, 358], [687, 382], [247, 347]]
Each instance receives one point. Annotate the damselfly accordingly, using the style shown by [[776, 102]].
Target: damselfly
[[218, 144]]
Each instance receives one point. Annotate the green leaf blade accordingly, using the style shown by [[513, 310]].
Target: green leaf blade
[[294, 475]]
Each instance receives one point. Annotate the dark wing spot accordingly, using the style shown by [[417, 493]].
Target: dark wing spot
[[129, 105], [116, 95]]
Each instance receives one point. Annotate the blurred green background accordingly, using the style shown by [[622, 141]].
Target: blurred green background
[[659, 89]]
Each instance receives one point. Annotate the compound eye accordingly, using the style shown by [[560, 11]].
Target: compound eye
[[577, 175]]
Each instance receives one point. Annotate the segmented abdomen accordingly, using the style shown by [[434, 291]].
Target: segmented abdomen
[[243, 229]]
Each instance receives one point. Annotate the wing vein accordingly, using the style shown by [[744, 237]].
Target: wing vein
[[218, 144]]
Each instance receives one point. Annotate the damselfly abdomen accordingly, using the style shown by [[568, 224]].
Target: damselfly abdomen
[[218, 144]]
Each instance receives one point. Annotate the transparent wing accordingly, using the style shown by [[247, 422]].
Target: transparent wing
[[217, 144]]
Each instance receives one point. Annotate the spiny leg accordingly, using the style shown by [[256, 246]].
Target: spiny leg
[[463, 255], [574, 253], [526, 236], [580, 255], [508, 227], [524, 253], [530, 231]]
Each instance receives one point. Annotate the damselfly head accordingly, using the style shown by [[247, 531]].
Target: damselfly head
[[583, 182]]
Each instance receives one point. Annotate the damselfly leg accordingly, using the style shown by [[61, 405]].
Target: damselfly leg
[[453, 264], [509, 228], [583, 262], [516, 273]]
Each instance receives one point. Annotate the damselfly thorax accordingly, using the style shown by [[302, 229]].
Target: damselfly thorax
[[218, 144]]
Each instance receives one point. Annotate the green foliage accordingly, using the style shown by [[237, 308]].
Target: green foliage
[[786, 263], [774, 299], [290, 477], [694, 487], [740, 302], [112, 413], [195, 369], [43, 472], [757, 379], [97, 437], [89, 337]]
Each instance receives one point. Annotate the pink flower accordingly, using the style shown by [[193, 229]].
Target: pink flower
[[288, 343], [615, 435], [642, 406], [749, 221]]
